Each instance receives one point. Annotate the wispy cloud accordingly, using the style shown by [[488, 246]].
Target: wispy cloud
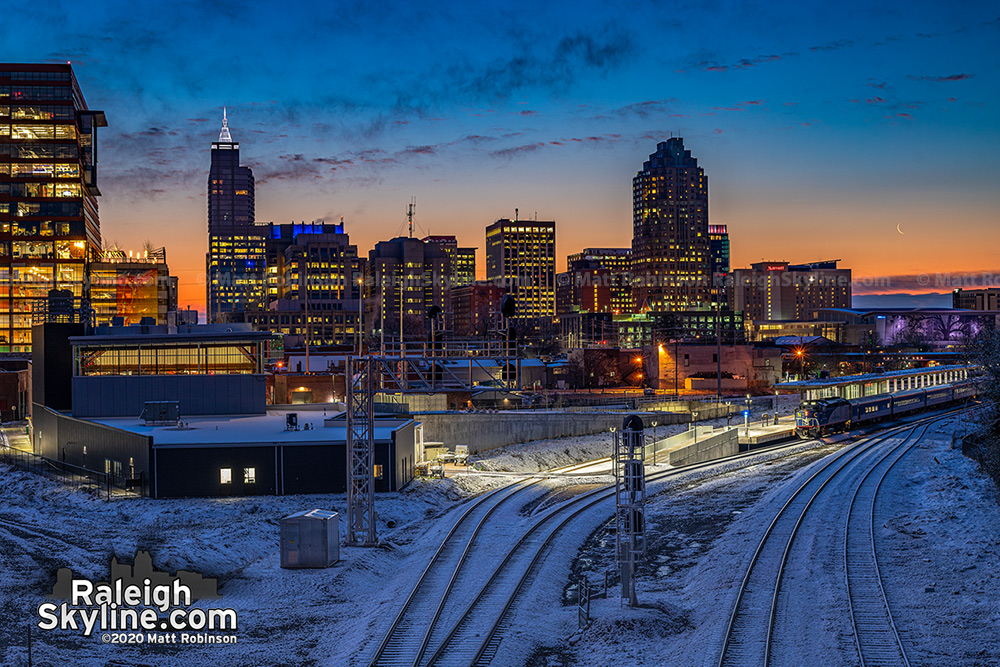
[[833, 46], [943, 79], [742, 63]]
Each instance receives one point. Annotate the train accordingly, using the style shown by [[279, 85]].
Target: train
[[818, 417]]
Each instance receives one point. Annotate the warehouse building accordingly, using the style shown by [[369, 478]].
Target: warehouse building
[[183, 413]]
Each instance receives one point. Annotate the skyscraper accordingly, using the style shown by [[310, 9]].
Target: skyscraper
[[617, 264], [521, 257], [718, 236], [236, 247], [670, 244], [49, 225]]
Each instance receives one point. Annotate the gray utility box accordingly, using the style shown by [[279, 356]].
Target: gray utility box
[[310, 539]]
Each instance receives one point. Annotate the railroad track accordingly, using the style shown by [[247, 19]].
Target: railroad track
[[751, 627], [875, 635], [471, 636], [405, 643]]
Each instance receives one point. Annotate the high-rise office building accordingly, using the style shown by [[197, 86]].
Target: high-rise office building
[[49, 225], [235, 262], [718, 236], [670, 245], [521, 257], [313, 290], [409, 277], [770, 291], [594, 272], [463, 260]]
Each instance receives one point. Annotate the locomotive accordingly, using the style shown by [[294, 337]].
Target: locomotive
[[828, 415]]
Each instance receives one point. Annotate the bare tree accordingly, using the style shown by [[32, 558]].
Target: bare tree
[[985, 444]]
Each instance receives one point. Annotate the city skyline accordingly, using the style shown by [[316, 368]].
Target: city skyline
[[865, 138]]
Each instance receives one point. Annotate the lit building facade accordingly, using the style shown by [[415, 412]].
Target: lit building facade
[[132, 288], [718, 238], [976, 299], [616, 264], [770, 291], [476, 308], [409, 277], [235, 263], [521, 258], [671, 252], [312, 284], [463, 260], [49, 224]]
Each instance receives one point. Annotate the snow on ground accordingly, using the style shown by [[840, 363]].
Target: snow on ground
[[556, 452], [936, 537], [287, 617]]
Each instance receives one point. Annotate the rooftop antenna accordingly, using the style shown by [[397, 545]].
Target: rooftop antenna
[[515, 215], [341, 222], [409, 213]]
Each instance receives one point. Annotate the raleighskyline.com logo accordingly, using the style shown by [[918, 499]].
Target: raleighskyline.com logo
[[139, 605]]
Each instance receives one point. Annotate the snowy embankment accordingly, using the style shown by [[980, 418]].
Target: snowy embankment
[[937, 542]]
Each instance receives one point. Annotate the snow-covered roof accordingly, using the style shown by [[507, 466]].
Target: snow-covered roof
[[248, 430]]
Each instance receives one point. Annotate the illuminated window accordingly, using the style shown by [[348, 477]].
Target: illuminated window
[[249, 475], [225, 475]]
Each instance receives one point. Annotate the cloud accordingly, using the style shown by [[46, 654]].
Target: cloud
[[516, 151], [410, 151], [943, 79], [917, 283], [644, 109], [571, 58], [833, 46], [742, 63]]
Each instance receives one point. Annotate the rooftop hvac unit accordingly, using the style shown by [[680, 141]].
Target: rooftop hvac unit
[[310, 539], [161, 412]]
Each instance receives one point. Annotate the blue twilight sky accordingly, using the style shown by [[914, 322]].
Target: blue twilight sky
[[821, 126]]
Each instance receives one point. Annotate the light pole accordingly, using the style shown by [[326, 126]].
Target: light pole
[[654, 441], [361, 314], [746, 417], [694, 417]]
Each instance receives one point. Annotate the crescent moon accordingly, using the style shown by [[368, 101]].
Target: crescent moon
[[900, 230]]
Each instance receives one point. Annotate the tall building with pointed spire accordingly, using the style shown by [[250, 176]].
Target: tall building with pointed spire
[[236, 247]]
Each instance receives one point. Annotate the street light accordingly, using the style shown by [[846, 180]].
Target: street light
[[361, 314], [694, 417], [746, 417], [654, 441]]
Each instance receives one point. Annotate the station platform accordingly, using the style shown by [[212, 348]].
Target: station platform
[[759, 433]]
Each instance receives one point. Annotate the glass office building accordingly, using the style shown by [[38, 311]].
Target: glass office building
[[49, 226]]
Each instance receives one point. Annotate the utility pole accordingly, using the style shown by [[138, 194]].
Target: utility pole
[[305, 278], [630, 503], [718, 353], [361, 314]]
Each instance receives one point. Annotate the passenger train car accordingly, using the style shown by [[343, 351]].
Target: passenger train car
[[827, 415]]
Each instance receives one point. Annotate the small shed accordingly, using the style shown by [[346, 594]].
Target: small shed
[[310, 539]]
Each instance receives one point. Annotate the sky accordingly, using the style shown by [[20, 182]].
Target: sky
[[866, 132]]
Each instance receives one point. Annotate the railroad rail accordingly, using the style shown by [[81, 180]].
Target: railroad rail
[[472, 635], [751, 625]]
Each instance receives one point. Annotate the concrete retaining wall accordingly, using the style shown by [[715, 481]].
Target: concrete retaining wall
[[483, 431], [725, 443]]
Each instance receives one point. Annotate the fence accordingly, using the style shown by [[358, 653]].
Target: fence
[[99, 483]]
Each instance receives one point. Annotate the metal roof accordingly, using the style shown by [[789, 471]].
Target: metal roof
[[866, 377]]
